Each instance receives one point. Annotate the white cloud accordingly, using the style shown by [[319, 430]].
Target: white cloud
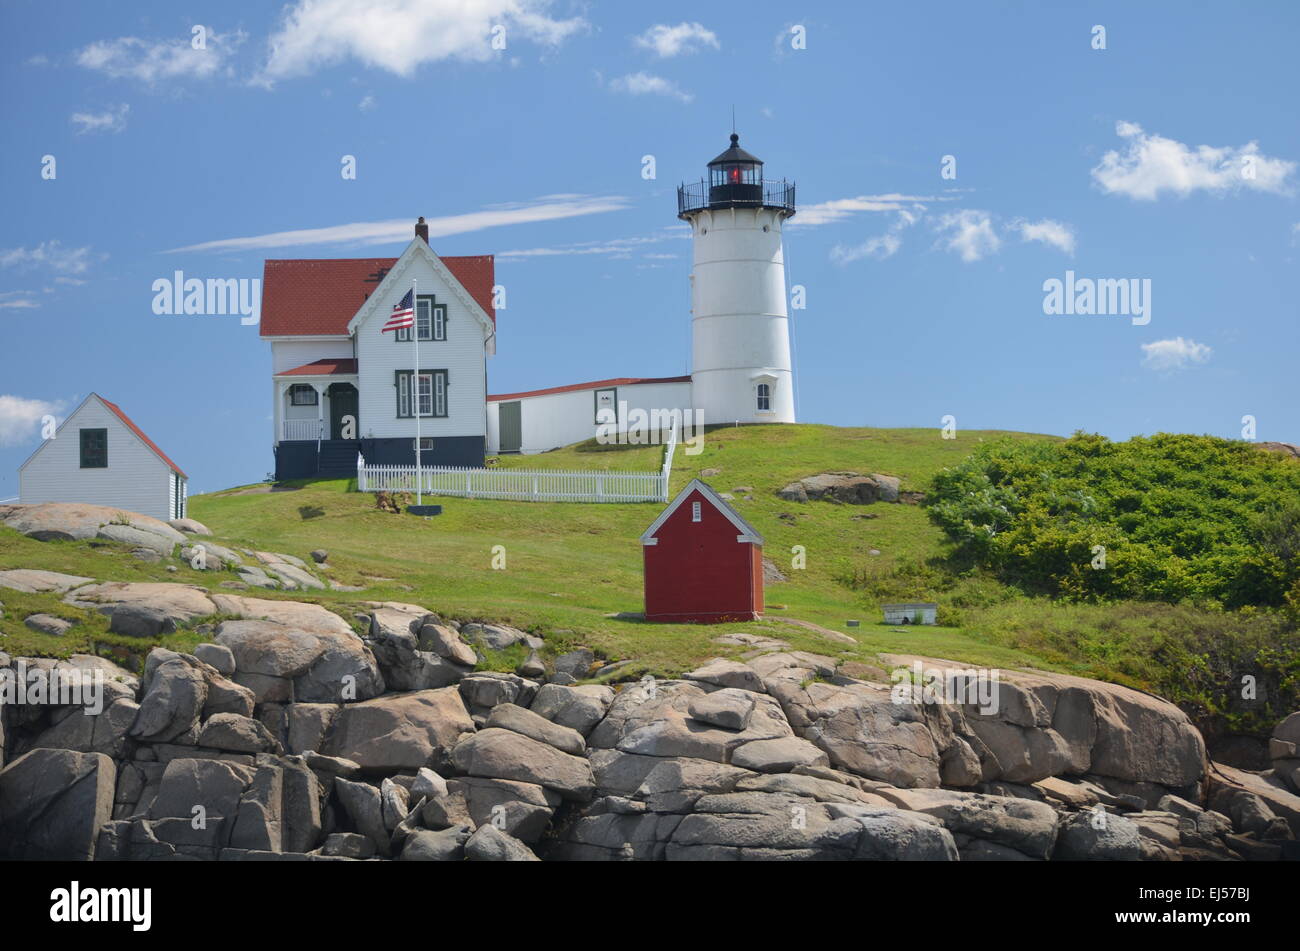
[[614, 248], [668, 41], [366, 104], [51, 255], [110, 120], [130, 57], [1174, 354], [20, 418], [970, 233], [1047, 231], [881, 246], [546, 208], [642, 84], [17, 300], [401, 35], [839, 208], [1152, 164]]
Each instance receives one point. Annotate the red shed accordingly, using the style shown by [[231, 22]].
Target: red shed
[[703, 562]]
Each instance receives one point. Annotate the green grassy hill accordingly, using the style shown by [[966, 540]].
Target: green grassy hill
[[572, 568]]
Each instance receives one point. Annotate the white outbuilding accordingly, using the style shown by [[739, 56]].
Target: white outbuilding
[[99, 456]]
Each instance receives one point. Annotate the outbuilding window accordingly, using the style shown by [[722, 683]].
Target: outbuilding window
[[94, 448], [695, 512]]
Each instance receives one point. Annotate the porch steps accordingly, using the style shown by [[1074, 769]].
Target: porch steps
[[338, 458]]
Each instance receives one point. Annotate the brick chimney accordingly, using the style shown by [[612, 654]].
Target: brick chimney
[[422, 230]]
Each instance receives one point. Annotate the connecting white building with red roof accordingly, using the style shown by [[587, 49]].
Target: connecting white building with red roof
[[341, 386]]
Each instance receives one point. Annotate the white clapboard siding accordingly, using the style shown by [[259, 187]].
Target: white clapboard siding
[[291, 354], [136, 479], [461, 355], [552, 420]]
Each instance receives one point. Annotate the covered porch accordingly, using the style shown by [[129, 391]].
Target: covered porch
[[316, 421]]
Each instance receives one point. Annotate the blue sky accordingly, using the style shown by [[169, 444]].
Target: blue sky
[[1169, 156]]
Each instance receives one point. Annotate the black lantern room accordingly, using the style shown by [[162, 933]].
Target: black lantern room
[[735, 181]]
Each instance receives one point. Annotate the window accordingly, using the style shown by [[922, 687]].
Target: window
[[94, 448], [426, 444], [302, 394], [695, 512], [764, 397], [430, 390], [430, 320]]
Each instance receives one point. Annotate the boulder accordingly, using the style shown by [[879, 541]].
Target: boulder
[[237, 734], [727, 673], [51, 521], [1027, 826], [489, 844], [722, 708], [136, 538], [399, 732], [105, 732], [579, 708], [778, 755], [217, 656], [52, 804], [32, 580], [48, 624], [1095, 835], [492, 636], [363, 806], [524, 810], [283, 661], [495, 753], [174, 696], [447, 643], [174, 604], [189, 526], [508, 716], [575, 663], [349, 845], [447, 845]]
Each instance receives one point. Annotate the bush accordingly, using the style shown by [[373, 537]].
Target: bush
[[1175, 517]]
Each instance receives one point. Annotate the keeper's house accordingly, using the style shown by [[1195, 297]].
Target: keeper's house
[[341, 386], [100, 457], [703, 562]]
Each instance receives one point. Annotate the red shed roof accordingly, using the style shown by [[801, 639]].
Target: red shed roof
[[318, 296], [117, 411], [619, 381], [328, 367], [745, 532]]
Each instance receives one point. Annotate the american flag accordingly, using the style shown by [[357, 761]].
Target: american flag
[[403, 315]]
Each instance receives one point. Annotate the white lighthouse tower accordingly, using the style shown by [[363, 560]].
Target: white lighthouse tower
[[740, 328]]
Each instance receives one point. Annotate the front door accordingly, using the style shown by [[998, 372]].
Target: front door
[[511, 429], [343, 410]]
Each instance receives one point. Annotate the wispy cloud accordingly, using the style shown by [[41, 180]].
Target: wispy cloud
[[112, 119], [837, 209], [366, 104], [1152, 164], [546, 208], [401, 35], [878, 247], [1174, 354], [20, 418], [668, 41], [648, 84], [614, 248], [50, 256], [17, 300], [152, 60]]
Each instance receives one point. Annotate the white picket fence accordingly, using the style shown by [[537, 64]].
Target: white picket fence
[[524, 485]]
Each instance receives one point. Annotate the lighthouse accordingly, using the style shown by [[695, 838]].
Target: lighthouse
[[741, 368]]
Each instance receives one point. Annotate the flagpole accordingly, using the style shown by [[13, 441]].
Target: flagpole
[[415, 332]]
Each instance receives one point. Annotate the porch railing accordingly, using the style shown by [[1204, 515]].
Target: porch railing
[[301, 429]]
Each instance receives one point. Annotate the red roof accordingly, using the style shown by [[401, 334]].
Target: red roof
[[326, 367], [620, 381], [117, 411], [318, 296]]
